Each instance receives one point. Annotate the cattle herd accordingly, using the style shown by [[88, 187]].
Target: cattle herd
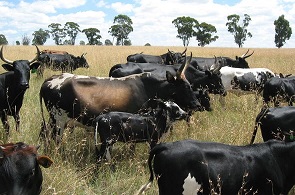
[[139, 101]]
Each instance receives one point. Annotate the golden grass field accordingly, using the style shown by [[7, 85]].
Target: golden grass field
[[74, 170]]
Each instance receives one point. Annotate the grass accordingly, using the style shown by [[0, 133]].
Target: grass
[[74, 170]]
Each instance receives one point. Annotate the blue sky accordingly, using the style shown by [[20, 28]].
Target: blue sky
[[152, 19]]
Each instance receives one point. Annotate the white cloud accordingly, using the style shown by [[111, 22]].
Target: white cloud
[[122, 8]]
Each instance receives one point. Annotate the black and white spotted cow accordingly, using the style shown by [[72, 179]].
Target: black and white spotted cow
[[244, 80], [195, 167]]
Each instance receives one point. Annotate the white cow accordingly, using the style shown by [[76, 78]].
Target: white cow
[[244, 80]]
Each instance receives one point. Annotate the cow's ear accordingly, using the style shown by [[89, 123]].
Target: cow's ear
[[44, 161], [35, 65], [8, 67], [170, 78], [208, 73]]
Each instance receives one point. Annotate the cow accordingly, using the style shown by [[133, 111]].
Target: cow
[[279, 89], [78, 98], [209, 79], [168, 58], [241, 80], [203, 63], [276, 123], [148, 125], [196, 167], [203, 97], [13, 85], [20, 172], [60, 60]]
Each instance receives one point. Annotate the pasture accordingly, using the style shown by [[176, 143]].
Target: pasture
[[74, 170]]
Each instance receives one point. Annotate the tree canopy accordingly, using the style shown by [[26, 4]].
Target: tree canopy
[[93, 35], [184, 27], [239, 31], [3, 40], [203, 33], [57, 33], [71, 30], [121, 29], [40, 37], [283, 31]]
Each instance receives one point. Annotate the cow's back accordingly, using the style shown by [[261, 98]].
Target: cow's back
[[187, 164]]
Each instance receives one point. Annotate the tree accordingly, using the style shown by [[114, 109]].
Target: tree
[[17, 42], [127, 42], [204, 32], [82, 42], [40, 37], [3, 40], [93, 35], [121, 29], [71, 29], [240, 32], [26, 40], [57, 33], [283, 31], [108, 42], [184, 27]]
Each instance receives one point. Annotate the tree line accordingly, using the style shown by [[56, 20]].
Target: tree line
[[187, 28]]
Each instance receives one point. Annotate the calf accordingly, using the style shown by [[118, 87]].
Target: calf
[[20, 173], [13, 85], [276, 123], [195, 167], [279, 89], [148, 125]]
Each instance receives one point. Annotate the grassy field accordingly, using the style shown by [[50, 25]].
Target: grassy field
[[74, 170]]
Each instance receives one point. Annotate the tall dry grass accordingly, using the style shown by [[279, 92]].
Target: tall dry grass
[[74, 170]]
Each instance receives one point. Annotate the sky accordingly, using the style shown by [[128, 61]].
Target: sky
[[152, 19]]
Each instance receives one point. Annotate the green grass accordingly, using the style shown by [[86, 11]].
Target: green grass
[[74, 170]]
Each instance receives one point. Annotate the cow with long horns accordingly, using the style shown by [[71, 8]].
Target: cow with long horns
[[77, 98], [13, 85], [203, 63]]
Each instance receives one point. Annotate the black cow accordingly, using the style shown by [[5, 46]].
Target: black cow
[[209, 79], [203, 97], [20, 173], [168, 58], [203, 63], [276, 123], [148, 125], [80, 98], [59, 60], [194, 167], [279, 89], [13, 85]]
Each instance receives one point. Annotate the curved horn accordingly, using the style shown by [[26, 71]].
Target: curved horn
[[184, 51], [242, 56], [2, 57], [248, 55], [180, 72], [38, 53], [216, 66]]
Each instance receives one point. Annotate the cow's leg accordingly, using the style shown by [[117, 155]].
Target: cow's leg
[[17, 121], [5, 122]]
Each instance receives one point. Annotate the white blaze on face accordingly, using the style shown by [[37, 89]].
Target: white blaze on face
[[190, 186]]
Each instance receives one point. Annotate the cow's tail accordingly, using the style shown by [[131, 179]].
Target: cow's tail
[[43, 124], [257, 122], [156, 150]]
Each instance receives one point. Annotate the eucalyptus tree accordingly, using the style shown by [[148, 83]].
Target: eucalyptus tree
[[121, 29], [239, 29]]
